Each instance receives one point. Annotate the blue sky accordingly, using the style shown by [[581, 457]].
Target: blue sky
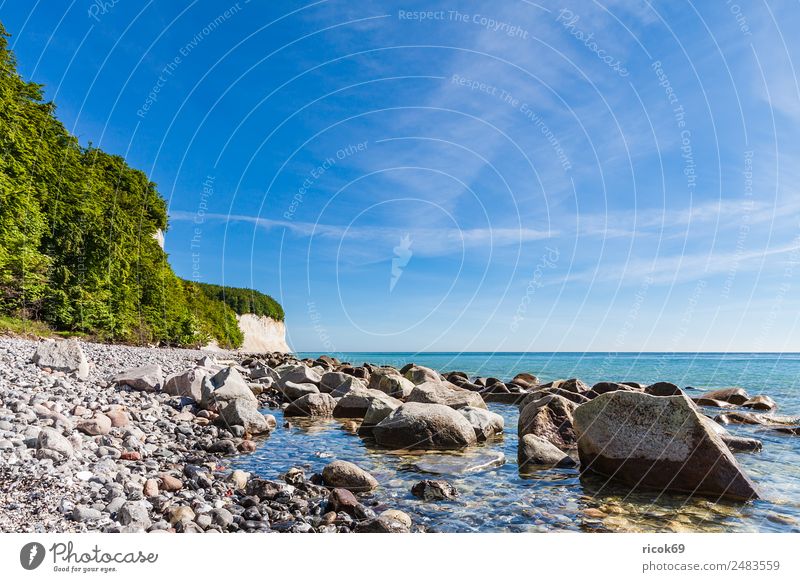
[[448, 176]]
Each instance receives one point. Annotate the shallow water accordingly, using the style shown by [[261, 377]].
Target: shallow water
[[500, 499]]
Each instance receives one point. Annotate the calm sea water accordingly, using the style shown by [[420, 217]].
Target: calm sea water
[[502, 499]]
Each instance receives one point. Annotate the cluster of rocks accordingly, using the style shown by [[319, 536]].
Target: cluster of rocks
[[117, 438], [652, 436]]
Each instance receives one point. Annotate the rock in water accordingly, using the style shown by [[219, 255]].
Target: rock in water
[[147, 378], [657, 442], [732, 395], [63, 356], [550, 418], [760, 402], [470, 461], [415, 425], [348, 476], [485, 422], [447, 393], [391, 382], [321, 405], [535, 451], [356, 402], [434, 490]]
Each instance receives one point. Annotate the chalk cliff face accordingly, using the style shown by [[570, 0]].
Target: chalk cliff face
[[262, 334]]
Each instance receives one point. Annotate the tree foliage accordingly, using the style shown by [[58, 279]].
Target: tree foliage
[[77, 237]]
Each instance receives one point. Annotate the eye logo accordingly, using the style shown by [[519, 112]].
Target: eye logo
[[31, 555]]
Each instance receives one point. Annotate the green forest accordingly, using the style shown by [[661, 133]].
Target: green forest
[[78, 251]]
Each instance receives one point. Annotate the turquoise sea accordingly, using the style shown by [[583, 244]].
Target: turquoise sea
[[502, 499]]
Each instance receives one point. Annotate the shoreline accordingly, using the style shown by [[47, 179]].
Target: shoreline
[[164, 461]]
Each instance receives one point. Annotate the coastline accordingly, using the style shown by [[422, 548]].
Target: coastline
[[169, 463]]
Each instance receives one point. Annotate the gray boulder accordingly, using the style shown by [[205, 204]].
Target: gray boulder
[[348, 476], [52, 445], [416, 425], [733, 395], [293, 391], [243, 413], [447, 393], [62, 356], [299, 374], [188, 384], [319, 405], [485, 422], [657, 442], [355, 403], [550, 418], [421, 374], [378, 409], [149, 378], [391, 382], [535, 451], [225, 386]]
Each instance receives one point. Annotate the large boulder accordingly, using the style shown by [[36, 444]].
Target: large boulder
[[355, 403], [416, 425], [603, 387], [352, 383], [447, 393], [420, 374], [188, 384], [378, 409], [525, 380], [485, 423], [244, 413], [550, 418], [734, 395], [292, 391], [62, 356], [390, 381], [657, 442], [663, 389], [348, 476], [318, 405], [534, 451], [148, 378], [299, 374], [761, 402], [225, 386], [330, 381]]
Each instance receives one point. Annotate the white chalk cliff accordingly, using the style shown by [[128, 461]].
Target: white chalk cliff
[[262, 334]]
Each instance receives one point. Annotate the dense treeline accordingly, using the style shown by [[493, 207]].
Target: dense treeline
[[77, 237], [245, 300]]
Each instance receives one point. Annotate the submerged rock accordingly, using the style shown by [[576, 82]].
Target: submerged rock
[[657, 442], [535, 451], [460, 463], [434, 490]]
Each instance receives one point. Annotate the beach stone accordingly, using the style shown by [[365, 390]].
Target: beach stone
[[238, 479], [319, 405], [485, 422], [226, 386], [348, 476], [330, 381], [760, 402], [150, 488], [391, 382], [663, 389], [420, 374], [83, 513], [221, 517], [446, 393], [434, 490], [378, 410], [118, 418], [62, 356], [98, 425], [298, 374], [349, 385], [293, 391], [246, 446], [148, 378], [603, 387], [755, 419], [657, 442], [390, 521], [702, 401], [134, 515], [525, 380], [549, 418], [573, 385], [468, 461], [416, 425], [536, 451], [188, 384], [51, 441], [734, 395], [341, 499], [181, 514], [355, 403], [244, 413]]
